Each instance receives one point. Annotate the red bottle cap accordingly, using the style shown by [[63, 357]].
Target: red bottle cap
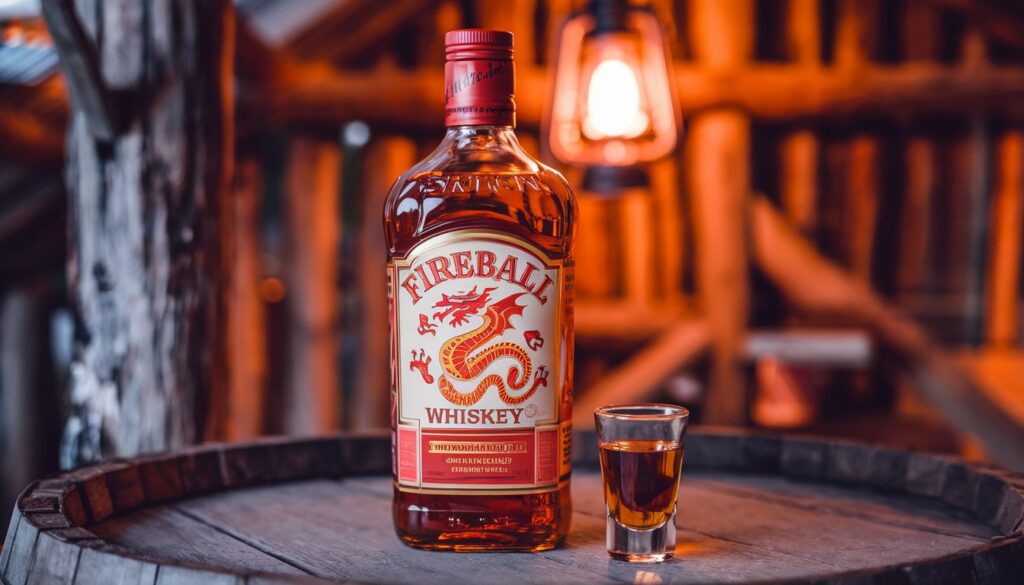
[[479, 78]]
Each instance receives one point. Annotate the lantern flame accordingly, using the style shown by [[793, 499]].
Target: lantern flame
[[613, 102]]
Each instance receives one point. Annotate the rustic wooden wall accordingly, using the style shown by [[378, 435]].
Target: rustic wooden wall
[[887, 133]]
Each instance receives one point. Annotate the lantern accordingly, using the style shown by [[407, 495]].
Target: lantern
[[613, 101]]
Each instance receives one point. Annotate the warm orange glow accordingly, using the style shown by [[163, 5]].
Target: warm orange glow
[[613, 101], [271, 290]]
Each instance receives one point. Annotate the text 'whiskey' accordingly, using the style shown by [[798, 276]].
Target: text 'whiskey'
[[480, 288]]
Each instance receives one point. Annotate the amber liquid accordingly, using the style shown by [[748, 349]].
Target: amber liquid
[[544, 215], [641, 480]]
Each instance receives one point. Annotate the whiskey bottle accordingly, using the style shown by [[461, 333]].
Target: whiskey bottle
[[480, 288]]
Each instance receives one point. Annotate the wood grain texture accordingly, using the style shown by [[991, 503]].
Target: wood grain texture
[[81, 59], [147, 266], [170, 535], [752, 507]]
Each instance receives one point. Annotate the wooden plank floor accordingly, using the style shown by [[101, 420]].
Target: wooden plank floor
[[731, 528]]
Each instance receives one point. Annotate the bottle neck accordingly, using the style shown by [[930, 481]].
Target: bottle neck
[[483, 135], [485, 147]]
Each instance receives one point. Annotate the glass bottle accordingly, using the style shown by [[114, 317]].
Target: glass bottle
[[480, 272]]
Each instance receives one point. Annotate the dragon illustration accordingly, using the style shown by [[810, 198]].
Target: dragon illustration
[[461, 305], [464, 357]]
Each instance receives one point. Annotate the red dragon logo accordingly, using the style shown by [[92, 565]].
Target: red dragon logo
[[465, 357], [461, 305]]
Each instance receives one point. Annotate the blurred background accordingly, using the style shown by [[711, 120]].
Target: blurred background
[[799, 215]]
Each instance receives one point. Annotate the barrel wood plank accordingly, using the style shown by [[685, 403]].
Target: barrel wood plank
[[334, 531], [172, 534], [753, 508]]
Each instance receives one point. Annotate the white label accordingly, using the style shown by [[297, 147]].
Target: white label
[[478, 347]]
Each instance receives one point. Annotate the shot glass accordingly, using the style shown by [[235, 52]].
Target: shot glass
[[641, 448]]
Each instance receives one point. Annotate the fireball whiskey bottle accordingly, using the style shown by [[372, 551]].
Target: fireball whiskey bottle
[[480, 287]]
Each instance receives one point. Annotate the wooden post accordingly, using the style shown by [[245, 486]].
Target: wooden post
[[1005, 242], [150, 147], [386, 158], [719, 161], [970, 187], [597, 252], [247, 335], [799, 172], [29, 412], [921, 36], [671, 236], [855, 41], [639, 238], [311, 279]]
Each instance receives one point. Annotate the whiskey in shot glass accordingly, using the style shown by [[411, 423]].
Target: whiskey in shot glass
[[641, 449]]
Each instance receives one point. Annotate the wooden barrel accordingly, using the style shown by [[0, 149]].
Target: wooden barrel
[[752, 508]]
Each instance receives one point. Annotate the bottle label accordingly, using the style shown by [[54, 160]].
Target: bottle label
[[478, 366]]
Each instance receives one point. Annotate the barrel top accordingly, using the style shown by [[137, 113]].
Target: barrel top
[[752, 508]]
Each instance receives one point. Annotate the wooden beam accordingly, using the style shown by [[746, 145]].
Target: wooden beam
[[819, 287], [82, 68], [769, 92], [621, 321], [642, 375], [718, 160], [256, 61], [354, 26]]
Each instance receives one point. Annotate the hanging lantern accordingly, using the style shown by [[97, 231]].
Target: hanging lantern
[[613, 100]]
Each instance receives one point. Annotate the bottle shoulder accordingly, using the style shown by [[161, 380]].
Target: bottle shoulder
[[504, 189]]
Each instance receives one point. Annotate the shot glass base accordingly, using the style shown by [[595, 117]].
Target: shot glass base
[[651, 558], [641, 546]]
